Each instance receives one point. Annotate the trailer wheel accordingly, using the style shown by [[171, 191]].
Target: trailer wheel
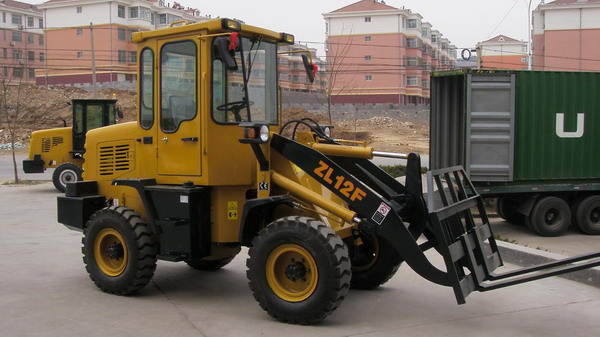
[[373, 263], [299, 270], [210, 265], [550, 216], [587, 215], [66, 173], [507, 210], [119, 252]]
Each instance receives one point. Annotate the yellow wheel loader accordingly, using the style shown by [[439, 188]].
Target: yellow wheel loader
[[205, 171], [62, 148]]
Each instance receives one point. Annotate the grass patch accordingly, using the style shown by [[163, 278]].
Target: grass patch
[[398, 170], [499, 237], [23, 182]]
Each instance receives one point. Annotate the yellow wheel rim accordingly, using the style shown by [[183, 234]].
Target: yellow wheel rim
[[292, 273], [373, 241], [110, 252]]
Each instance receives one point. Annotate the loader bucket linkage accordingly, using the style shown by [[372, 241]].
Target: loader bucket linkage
[[399, 214]]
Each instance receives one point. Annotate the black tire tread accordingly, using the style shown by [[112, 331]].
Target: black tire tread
[[336, 252], [145, 246]]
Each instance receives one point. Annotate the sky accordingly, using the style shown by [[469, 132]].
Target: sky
[[463, 22]]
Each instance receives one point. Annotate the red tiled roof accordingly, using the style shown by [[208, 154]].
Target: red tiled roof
[[502, 38], [364, 5], [565, 2], [17, 4]]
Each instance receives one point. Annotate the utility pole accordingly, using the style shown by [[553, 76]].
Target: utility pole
[[93, 62], [529, 33]]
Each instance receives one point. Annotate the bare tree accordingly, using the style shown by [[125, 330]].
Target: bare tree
[[336, 66], [13, 91]]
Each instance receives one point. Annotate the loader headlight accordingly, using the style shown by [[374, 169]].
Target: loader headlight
[[327, 131], [255, 133], [264, 133]]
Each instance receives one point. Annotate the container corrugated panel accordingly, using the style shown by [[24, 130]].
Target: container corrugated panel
[[557, 126], [554, 137]]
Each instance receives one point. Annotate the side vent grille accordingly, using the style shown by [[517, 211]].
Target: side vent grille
[[114, 159], [50, 142]]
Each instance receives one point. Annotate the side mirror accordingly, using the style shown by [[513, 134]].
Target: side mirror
[[311, 68], [119, 111], [222, 49]]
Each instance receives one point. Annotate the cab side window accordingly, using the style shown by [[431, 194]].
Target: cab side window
[[147, 88], [178, 73]]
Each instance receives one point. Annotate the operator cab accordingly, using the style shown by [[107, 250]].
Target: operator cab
[[90, 114]]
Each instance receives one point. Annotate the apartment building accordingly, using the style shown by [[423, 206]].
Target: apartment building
[[70, 24], [502, 52], [21, 41], [383, 54], [566, 35]]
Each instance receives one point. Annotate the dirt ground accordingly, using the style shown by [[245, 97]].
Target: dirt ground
[[46, 108]]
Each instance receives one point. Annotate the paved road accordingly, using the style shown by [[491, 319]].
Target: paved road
[[7, 171], [44, 291]]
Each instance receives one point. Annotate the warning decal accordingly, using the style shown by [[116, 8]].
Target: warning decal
[[381, 213], [232, 210]]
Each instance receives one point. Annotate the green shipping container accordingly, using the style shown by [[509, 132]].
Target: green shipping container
[[518, 131]]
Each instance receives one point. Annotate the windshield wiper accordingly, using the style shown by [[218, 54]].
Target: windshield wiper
[[246, 74]]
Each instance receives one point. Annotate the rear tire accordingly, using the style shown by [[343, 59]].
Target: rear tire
[[119, 252], [550, 216], [587, 215], [507, 210], [373, 263], [299, 270], [66, 173]]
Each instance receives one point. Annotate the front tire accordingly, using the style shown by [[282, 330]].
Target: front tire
[[119, 252], [299, 270], [66, 173], [373, 263]]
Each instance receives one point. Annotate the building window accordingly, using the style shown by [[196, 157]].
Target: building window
[[5, 71], [17, 36], [132, 57], [367, 57], [412, 42], [412, 61], [41, 23], [413, 23], [367, 39], [162, 19], [79, 9], [426, 84], [121, 32], [433, 38], [3, 17], [121, 11], [30, 38], [122, 56], [17, 19], [32, 73], [29, 21], [18, 72], [367, 19], [524, 48], [133, 12], [79, 54], [42, 57], [79, 31], [17, 54], [412, 80], [368, 78], [4, 53], [41, 40], [30, 56]]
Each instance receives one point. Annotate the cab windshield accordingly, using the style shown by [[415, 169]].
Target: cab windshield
[[248, 94]]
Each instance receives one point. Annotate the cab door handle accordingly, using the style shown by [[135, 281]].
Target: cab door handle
[[189, 139]]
